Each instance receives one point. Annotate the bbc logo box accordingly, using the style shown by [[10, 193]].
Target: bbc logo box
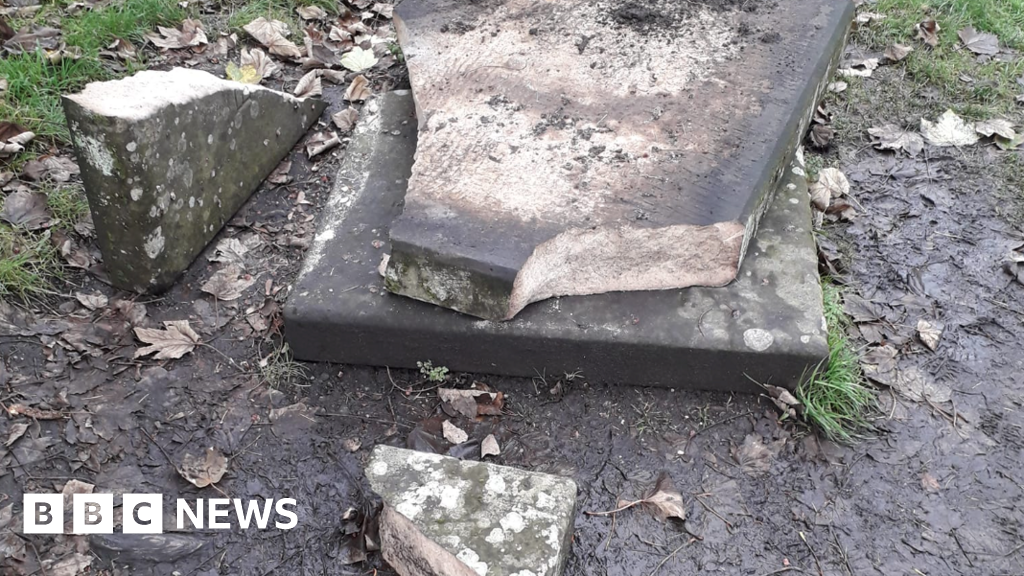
[[93, 514]]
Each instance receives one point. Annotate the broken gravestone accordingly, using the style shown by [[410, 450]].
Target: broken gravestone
[[583, 148], [449, 517], [168, 157]]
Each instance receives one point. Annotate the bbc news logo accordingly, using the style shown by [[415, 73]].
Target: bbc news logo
[[143, 514]]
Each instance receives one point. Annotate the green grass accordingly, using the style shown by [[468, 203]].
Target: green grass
[[243, 12], [834, 397], [994, 86], [68, 204], [36, 84], [28, 264]]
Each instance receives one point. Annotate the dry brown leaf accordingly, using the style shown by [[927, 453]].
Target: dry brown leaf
[[16, 431], [311, 13], [929, 483], [832, 183], [75, 486], [13, 139], [892, 137], [868, 17], [26, 209], [309, 85], [57, 168], [272, 35], [838, 86], [897, 52], [205, 470], [949, 130], [70, 565], [91, 301], [189, 34], [174, 341], [120, 48], [664, 500], [928, 32], [472, 403], [263, 64], [753, 456], [996, 127], [29, 39], [979, 42], [346, 119], [228, 283], [321, 142], [359, 90], [385, 10], [453, 433], [930, 333], [358, 59], [489, 447]]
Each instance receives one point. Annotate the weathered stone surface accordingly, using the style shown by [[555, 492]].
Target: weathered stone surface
[[766, 326], [168, 157], [481, 518], [583, 148]]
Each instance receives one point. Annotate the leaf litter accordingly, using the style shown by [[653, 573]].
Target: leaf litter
[[174, 341], [663, 500]]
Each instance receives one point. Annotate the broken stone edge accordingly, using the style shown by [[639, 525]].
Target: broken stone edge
[[144, 251], [605, 259], [698, 338]]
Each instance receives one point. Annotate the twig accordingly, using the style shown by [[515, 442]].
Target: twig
[[842, 551], [617, 510], [669, 557], [712, 510], [961, 547], [366, 418], [813, 555]]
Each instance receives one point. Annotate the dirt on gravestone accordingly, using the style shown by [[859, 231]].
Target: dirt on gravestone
[[935, 488]]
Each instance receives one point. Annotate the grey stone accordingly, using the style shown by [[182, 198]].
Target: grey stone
[[638, 158], [168, 157], [495, 520], [767, 326]]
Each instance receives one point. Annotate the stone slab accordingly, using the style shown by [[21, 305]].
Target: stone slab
[[767, 325], [167, 159], [572, 148], [494, 520]]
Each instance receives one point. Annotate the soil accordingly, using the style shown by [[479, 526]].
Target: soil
[[935, 489]]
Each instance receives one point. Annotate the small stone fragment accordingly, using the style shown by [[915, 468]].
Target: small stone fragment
[[444, 516], [489, 447]]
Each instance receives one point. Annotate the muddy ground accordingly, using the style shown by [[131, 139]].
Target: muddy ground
[[935, 489]]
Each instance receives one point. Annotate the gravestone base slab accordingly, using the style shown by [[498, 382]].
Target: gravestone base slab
[[766, 326]]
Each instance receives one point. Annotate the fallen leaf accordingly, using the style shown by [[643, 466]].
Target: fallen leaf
[[311, 13], [228, 283], [26, 209], [838, 86], [281, 175], [244, 74], [979, 42], [309, 85], [17, 431], [3, 85], [453, 433], [753, 455], [472, 403], [189, 34], [29, 39], [929, 483], [272, 35], [949, 130], [91, 301], [358, 59], [821, 135], [897, 52], [351, 444], [664, 500], [120, 48], [385, 10], [359, 90], [892, 137], [1008, 143], [13, 139], [176, 340], [75, 486], [930, 333], [346, 119], [784, 400], [321, 142], [230, 250], [70, 565], [205, 470], [489, 447], [996, 127], [832, 183], [263, 64], [57, 168], [868, 17], [928, 32], [918, 386]]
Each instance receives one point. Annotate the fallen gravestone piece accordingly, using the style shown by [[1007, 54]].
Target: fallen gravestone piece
[[584, 148], [449, 517], [168, 157]]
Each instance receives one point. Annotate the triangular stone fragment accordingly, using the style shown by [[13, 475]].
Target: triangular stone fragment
[[583, 148], [168, 157]]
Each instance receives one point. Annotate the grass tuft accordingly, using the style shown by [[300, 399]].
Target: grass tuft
[[835, 398], [28, 264]]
